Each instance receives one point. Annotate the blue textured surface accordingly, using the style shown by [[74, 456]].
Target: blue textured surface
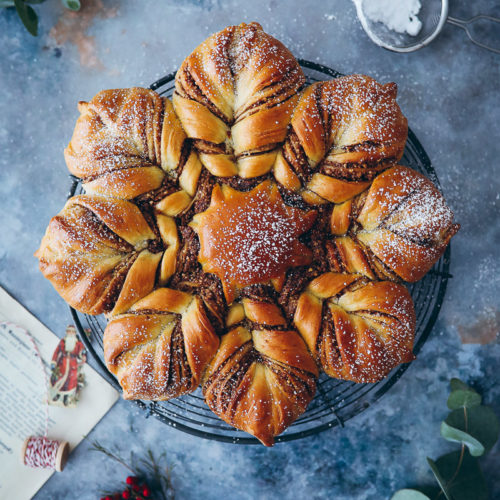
[[450, 93]]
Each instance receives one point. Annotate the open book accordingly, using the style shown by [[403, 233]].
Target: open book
[[22, 397]]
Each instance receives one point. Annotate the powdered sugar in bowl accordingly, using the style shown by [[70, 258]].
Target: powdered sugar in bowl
[[402, 25]]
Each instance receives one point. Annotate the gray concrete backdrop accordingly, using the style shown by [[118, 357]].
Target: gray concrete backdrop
[[450, 94]]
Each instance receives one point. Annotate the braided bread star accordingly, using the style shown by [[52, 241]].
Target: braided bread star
[[248, 234]]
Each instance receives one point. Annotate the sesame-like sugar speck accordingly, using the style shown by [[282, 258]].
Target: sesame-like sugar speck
[[252, 237]]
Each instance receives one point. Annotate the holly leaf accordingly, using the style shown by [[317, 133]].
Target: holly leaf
[[463, 398], [439, 478], [408, 494], [478, 422], [465, 483], [451, 434], [72, 4], [28, 16]]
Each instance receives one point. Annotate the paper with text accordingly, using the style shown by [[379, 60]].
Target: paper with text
[[22, 396]]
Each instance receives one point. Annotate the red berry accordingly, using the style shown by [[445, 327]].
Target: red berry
[[131, 480], [108, 498], [146, 492], [126, 494], [136, 487]]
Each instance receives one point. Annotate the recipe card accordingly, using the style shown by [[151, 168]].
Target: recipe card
[[23, 395]]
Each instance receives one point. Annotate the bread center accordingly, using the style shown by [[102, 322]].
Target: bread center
[[251, 238]]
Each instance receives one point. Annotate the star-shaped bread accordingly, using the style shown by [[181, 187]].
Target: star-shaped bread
[[249, 238]]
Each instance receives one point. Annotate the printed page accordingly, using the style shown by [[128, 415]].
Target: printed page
[[22, 396]]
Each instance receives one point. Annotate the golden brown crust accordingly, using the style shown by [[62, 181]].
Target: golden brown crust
[[160, 348], [127, 142], [235, 95], [260, 381], [402, 227], [168, 232], [342, 133], [238, 112], [263, 313], [100, 254], [356, 333], [250, 238], [139, 281]]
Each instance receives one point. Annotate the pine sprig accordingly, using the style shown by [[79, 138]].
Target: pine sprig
[[96, 446], [476, 428], [162, 477], [153, 471]]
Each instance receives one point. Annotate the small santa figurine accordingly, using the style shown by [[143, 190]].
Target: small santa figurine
[[66, 377]]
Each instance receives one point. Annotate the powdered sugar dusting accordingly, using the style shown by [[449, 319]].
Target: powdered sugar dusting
[[410, 205], [361, 109], [118, 133], [423, 217], [237, 73], [249, 238]]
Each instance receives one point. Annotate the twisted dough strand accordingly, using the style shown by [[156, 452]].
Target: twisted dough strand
[[160, 348], [129, 142], [262, 377], [234, 96], [100, 254], [397, 229], [356, 330], [343, 132]]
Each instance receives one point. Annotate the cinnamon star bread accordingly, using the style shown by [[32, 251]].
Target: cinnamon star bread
[[247, 235]]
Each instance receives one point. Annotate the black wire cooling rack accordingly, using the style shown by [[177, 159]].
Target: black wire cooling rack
[[336, 401]]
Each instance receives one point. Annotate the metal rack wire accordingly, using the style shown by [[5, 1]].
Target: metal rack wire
[[336, 401]]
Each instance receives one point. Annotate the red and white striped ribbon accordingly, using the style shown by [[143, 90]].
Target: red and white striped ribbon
[[41, 452]]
